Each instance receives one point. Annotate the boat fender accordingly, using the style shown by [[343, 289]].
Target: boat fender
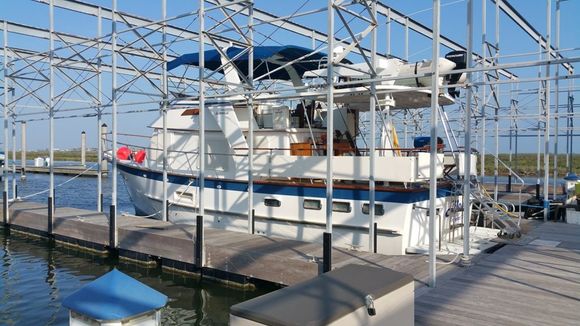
[[123, 153], [139, 156]]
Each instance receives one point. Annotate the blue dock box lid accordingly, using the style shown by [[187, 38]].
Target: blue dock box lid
[[114, 296]]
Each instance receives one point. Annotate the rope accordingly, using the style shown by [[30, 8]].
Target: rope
[[498, 206], [59, 185]]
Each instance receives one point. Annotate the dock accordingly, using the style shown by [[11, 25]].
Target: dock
[[231, 257], [86, 170], [503, 287], [530, 282]]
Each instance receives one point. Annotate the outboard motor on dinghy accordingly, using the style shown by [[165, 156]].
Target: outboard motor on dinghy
[[460, 60]]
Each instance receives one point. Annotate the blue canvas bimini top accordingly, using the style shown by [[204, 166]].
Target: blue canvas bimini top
[[266, 59], [114, 296]]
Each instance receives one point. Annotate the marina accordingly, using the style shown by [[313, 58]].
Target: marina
[[365, 162], [542, 266]]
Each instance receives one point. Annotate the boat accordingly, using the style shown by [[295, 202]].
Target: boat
[[289, 159]]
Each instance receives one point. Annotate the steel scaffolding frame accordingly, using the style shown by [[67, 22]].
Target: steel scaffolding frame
[[66, 81]]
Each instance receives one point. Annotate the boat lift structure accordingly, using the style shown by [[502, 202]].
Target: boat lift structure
[[122, 69]]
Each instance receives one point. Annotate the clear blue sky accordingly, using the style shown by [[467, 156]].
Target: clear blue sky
[[453, 25]]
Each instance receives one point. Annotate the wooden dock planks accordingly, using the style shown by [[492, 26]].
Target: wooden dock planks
[[517, 285], [270, 259], [520, 284]]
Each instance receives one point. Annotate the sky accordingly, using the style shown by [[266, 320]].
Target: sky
[[453, 25]]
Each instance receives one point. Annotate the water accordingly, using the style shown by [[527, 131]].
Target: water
[[35, 275]]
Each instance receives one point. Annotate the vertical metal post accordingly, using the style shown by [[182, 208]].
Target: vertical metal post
[[199, 241], [14, 186], [570, 123], [99, 112], [547, 113], [556, 102], [6, 214], [103, 162], [113, 209], [51, 121], [511, 140], [407, 39], [406, 128], [495, 89], [23, 150], [372, 149], [201, 146], [251, 118], [164, 88], [467, 141], [433, 150], [313, 39], [539, 138], [83, 148], [483, 89], [329, 136], [389, 23]]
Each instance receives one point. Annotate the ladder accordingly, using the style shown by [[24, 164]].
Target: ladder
[[495, 214]]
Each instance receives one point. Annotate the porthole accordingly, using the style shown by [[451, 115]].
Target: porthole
[[379, 210], [341, 206], [312, 204], [271, 202]]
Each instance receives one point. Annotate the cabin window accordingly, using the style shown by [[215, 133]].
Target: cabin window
[[266, 121], [271, 202], [379, 210], [341, 206], [312, 204]]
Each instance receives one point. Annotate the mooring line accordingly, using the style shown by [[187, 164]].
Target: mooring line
[[59, 185]]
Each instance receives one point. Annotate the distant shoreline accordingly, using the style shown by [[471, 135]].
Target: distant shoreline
[[524, 166]]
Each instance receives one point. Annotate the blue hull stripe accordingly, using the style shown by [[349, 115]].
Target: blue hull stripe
[[292, 190]]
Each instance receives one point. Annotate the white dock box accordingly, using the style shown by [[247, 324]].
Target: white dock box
[[352, 295]]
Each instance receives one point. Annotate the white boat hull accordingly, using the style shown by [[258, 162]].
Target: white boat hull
[[403, 224]]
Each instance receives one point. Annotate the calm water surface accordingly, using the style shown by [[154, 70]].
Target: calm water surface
[[35, 275]]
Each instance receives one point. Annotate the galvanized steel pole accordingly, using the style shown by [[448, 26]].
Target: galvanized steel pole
[[547, 113], [23, 150], [164, 88], [201, 145], [51, 121], [372, 149], [483, 89], [99, 112], [327, 237], [6, 213], [496, 109], [467, 142], [389, 23], [556, 104], [433, 149], [14, 186], [251, 118], [113, 209]]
